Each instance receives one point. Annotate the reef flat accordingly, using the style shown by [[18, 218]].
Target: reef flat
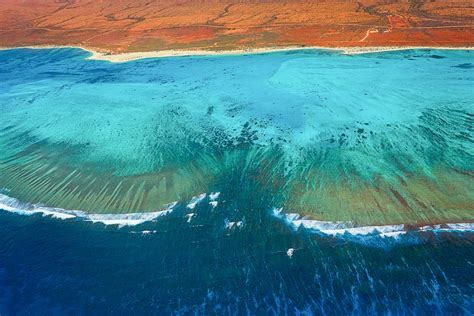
[[381, 138]]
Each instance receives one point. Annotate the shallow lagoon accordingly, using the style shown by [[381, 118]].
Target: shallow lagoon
[[374, 139]]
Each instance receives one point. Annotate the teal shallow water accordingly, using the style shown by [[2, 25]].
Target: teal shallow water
[[374, 138]]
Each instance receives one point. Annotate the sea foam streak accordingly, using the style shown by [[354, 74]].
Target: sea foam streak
[[10, 204], [341, 228], [195, 200]]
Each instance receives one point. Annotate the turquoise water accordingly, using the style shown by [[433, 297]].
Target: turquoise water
[[242, 143], [373, 138]]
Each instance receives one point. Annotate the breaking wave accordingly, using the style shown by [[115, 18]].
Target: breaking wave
[[10, 204], [342, 228]]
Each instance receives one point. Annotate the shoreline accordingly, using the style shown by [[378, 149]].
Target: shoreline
[[131, 56]]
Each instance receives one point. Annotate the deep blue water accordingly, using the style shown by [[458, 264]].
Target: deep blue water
[[351, 141], [50, 266]]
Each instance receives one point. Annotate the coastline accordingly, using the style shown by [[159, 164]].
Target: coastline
[[131, 56]]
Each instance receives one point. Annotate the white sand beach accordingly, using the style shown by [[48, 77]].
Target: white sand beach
[[124, 57]]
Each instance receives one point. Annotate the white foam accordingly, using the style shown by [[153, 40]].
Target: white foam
[[195, 200], [341, 228], [171, 205], [144, 232], [213, 204], [395, 234], [56, 214], [320, 225], [121, 220], [230, 225], [10, 204], [290, 252], [189, 217], [449, 227], [384, 231], [214, 196], [461, 226]]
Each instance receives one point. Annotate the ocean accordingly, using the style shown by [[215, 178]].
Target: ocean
[[298, 182]]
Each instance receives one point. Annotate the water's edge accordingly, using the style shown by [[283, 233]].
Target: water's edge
[[133, 56]]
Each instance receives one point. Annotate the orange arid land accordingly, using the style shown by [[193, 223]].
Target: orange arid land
[[118, 26]]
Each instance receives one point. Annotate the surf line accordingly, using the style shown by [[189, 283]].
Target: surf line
[[12, 205], [343, 228]]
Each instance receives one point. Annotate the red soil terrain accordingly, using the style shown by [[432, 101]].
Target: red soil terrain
[[146, 25]]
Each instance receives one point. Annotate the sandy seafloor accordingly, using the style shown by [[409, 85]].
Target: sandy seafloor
[[179, 184]]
